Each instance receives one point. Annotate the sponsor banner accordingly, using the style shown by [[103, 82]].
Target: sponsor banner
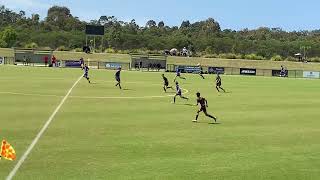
[[73, 64], [247, 71], [192, 69], [216, 70], [1, 60], [189, 69], [311, 74], [113, 65]]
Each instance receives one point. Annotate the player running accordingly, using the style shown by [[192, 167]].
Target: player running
[[117, 76], [178, 93], [201, 72], [178, 74], [86, 73], [166, 83], [219, 83], [82, 63], [203, 108]]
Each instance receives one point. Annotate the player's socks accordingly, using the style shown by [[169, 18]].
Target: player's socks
[[174, 99], [197, 117], [164, 88], [215, 119], [217, 89], [184, 98]]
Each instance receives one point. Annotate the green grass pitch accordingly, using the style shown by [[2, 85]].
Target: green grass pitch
[[269, 127]]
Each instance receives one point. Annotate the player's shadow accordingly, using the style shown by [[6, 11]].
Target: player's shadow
[[187, 104], [94, 83], [170, 92], [126, 89], [214, 123]]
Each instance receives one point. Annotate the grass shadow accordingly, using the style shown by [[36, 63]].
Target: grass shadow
[[126, 89]]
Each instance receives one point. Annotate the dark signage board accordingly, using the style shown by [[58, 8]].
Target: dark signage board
[[248, 71]]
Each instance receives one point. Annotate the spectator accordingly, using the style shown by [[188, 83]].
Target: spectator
[[28, 60], [174, 52], [24, 61], [53, 61], [46, 59], [184, 52]]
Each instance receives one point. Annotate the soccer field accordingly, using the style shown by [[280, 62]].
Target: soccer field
[[269, 127]]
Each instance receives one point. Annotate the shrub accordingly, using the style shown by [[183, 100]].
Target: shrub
[[32, 45], [3, 44], [276, 58], [62, 48], [315, 59], [290, 58], [77, 50], [209, 50], [211, 56], [110, 50], [253, 57]]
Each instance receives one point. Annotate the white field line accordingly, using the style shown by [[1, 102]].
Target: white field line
[[93, 97], [36, 139], [27, 94]]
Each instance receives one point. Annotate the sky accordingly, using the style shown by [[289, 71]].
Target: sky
[[289, 15]]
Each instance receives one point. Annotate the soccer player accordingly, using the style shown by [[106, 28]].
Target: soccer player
[[219, 83], [178, 93], [117, 76], [201, 72], [86, 73], [166, 83], [82, 63], [203, 108], [178, 74]]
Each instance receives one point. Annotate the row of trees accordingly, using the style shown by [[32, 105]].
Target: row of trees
[[61, 30]]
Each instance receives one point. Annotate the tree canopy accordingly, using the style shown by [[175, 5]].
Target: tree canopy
[[61, 30]]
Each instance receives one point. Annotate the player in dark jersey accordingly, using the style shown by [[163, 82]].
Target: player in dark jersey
[[82, 63], [219, 83], [117, 76], [166, 83], [203, 108], [86, 73], [201, 72], [178, 74], [178, 93]]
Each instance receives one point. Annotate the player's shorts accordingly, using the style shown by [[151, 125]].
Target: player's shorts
[[203, 109], [85, 75], [178, 74], [219, 84], [201, 72], [118, 79], [166, 83], [179, 93]]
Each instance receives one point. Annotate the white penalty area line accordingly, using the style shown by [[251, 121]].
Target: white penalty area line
[[36, 139]]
